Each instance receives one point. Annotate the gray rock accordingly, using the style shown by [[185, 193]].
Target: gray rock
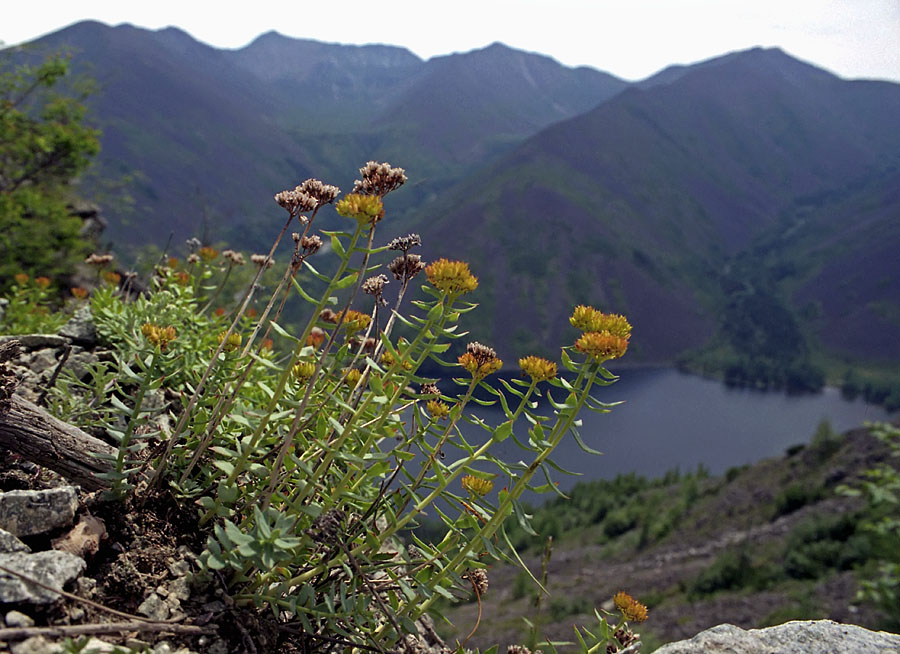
[[165, 647], [24, 513], [154, 607], [18, 619], [40, 645], [806, 636], [33, 341], [10, 544], [51, 568], [180, 588], [81, 327], [3, 304], [80, 360]]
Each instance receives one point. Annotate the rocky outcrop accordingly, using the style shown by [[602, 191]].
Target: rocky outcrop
[[806, 636]]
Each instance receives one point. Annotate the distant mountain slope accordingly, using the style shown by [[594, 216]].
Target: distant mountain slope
[[643, 203], [201, 132], [765, 543], [462, 104], [215, 133]]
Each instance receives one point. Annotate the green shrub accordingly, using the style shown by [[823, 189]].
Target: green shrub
[[312, 455], [824, 544], [881, 487], [45, 145], [795, 497]]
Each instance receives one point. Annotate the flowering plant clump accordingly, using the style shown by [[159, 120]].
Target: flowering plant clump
[[30, 307], [314, 450]]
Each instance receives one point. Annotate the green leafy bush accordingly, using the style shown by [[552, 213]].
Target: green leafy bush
[[732, 570], [821, 545], [795, 497], [312, 450], [881, 487], [45, 145]]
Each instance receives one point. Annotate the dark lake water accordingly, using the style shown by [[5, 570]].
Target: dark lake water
[[670, 419]]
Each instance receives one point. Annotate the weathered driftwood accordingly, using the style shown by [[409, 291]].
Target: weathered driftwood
[[29, 431]]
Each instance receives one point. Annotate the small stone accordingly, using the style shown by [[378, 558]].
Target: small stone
[[217, 647], [180, 588], [80, 360], [18, 619], [26, 512], [35, 645], [54, 569], [81, 328], [180, 568], [76, 613], [84, 586], [214, 607], [42, 361], [154, 608], [10, 544]]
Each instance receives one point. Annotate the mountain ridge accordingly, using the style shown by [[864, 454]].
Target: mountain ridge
[[742, 186]]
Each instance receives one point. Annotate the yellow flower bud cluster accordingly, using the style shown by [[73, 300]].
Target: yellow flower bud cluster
[[303, 370], [537, 368], [208, 253], [476, 485], [232, 343], [437, 409], [588, 319], [630, 607], [387, 360], [605, 334], [159, 336], [355, 321], [480, 360], [362, 208], [451, 276]]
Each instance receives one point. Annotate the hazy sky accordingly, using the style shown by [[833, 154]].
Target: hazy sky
[[629, 38]]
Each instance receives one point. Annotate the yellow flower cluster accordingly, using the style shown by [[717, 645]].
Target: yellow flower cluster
[[480, 360], [207, 253], [362, 208], [602, 346], [159, 336], [353, 377], [232, 343], [451, 276], [355, 321], [437, 409], [387, 360], [588, 319], [630, 607], [537, 368], [605, 334], [476, 485], [303, 370]]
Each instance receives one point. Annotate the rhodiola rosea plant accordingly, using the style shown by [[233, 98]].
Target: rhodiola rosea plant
[[314, 451]]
